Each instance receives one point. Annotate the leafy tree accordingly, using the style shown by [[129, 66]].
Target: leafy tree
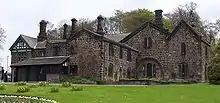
[[125, 22], [214, 64]]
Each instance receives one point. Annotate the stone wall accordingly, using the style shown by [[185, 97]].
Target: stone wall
[[61, 47], [120, 65], [158, 51], [85, 52], [192, 56]]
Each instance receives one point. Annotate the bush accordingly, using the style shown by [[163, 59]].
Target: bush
[[54, 90], [21, 83], [43, 84], [2, 87], [66, 84], [214, 71], [100, 82], [77, 88], [23, 89], [78, 80], [33, 86]]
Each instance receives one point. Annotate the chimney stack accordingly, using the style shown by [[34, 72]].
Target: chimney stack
[[42, 35], [100, 25], [158, 18], [73, 30], [65, 31]]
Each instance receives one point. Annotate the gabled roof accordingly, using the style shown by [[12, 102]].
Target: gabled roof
[[31, 42], [55, 60], [142, 27], [107, 40], [182, 22]]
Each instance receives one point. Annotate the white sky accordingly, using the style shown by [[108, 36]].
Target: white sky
[[22, 16]]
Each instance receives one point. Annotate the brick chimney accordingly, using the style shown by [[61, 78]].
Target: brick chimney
[[158, 18], [65, 31], [73, 29], [100, 25], [42, 35]]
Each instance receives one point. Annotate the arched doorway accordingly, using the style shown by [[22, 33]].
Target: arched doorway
[[149, 70], [149, 67]]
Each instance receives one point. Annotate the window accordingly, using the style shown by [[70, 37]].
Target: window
[[21, 45], [121, 53], [55, 51], [129, 73], [110, 70], [148, 42], [128, 55], [206, 51], [183, 70], [111, 50], [41, 54], [183, 48]]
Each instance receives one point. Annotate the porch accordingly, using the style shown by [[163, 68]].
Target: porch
[[42, 69]]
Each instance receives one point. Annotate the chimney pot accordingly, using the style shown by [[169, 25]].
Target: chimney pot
[[73, 30], [100, 25], [159, 17], [65, 31], [42, 35]]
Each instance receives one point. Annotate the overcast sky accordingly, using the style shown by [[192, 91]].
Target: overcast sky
[[22, 16]]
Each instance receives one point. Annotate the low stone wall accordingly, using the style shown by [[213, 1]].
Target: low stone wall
[[23, 99]]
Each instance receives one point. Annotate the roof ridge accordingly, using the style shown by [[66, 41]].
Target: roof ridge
[[27, 36]]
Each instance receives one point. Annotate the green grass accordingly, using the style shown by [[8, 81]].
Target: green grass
[[199, 93]]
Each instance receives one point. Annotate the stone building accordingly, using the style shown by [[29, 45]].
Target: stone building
[[149, 51]]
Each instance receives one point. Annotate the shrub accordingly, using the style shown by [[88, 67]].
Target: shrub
[[33, 86], [66, 84], [100, 82], [23, 89], [77, 88], [54, 90], [78, 80], [214, 71], [43, 84], [21, 83], [2, 87]]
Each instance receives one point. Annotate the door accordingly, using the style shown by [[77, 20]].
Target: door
[[149, 70]]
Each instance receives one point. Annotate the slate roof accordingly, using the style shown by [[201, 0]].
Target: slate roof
[[30, 40], [41, 45], [41, 61], [110, 40], [117, 37]]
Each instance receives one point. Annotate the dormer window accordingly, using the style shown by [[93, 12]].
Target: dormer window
[[147, 42]]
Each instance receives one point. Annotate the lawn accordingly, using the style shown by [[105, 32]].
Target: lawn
[[199, 93]]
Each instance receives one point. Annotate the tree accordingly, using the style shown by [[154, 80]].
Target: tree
[[2, 37], [214, 64], [124, 22], [185, 12]]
